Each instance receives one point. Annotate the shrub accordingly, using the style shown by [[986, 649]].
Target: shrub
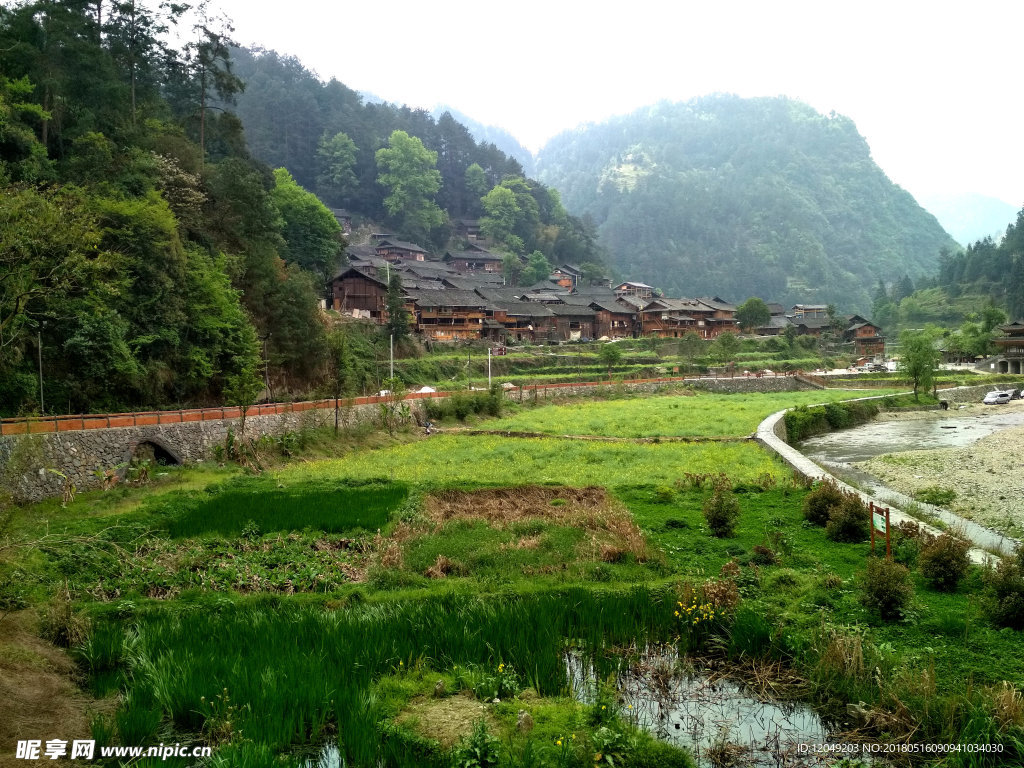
[[764, 555], [479, 749], [887, 588], [944, 562], [722, 511], [664, 494], [819, 503], [933, 494], [1004, 594], [849, 521]]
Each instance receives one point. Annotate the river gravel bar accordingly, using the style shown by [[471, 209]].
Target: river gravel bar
[[987, 476]]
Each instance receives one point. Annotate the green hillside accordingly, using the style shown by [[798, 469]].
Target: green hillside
[[739, 197]]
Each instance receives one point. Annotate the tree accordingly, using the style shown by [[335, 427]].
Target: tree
[[398, 318], [476, 182], [208, 60], [340, 369], [311, 233], [726, 346], [753, 313], [610, 355], [690, 346], [336, 159], [919, 358], [242, 389], [501, 212], [537, 268], [512, 268], [408, 171]]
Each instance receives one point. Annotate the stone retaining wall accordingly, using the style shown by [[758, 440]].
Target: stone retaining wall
[[36, 466]]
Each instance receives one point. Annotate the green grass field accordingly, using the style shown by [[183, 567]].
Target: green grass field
[[486, 459], [381, 599], [698, 415]]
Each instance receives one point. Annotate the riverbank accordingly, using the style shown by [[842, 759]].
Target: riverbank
[[983, 481]]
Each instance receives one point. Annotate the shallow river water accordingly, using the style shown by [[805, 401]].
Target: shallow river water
[[838, 451]]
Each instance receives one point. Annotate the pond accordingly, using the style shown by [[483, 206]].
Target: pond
[[716, 717]]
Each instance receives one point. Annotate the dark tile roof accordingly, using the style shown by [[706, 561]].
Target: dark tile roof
[[401, 244], [480, 255], [446, 298], [612, 306], [717, 303], [570, 310]]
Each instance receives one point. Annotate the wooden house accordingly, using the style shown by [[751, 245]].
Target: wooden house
[[866, 337], [573, 322], [640, 290], [473, 260], [613, 320], [468, 229], [397, 251], [722, 317], [567, 276], [669, 318], [446, 315], [361, 293], [344, 219], [808, 311]]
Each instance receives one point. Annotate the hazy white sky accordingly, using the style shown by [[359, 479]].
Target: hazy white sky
[[933, 86]]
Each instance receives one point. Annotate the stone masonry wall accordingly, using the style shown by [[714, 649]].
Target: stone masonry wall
[[29, 464]]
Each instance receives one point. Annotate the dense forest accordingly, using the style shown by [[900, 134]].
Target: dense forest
[[739, 197], [151, 256], [329, 137], [982, 284]]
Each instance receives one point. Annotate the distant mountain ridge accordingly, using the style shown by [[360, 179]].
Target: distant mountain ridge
[[969, 218], [740, 197]]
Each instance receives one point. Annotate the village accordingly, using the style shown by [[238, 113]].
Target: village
[[464, 295]]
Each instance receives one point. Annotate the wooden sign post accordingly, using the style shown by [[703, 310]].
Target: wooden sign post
[[880, 519]]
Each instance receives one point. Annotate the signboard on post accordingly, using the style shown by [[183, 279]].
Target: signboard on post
[[880, 522]]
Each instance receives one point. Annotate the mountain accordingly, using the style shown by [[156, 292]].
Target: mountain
[[491, 134], [971, 217], [737, 197]]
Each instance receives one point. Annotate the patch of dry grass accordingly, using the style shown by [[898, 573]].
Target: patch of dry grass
[[612, 531]]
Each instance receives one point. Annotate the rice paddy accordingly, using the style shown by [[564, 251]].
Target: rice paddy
[[389, 602]]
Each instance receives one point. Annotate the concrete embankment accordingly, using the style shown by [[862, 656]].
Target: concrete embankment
[[771, 434]]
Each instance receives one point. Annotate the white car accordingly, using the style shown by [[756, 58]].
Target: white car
[[996, 398]]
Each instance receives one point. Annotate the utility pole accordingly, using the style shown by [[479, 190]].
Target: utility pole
[[392, 346], [488, 369], [39, 339], [266, 370]]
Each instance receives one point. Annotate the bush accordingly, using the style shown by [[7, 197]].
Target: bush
[[887, 588], [722, 511], [944, 562], [820, 502], [1004, 594], [479, 749], [849, 521]]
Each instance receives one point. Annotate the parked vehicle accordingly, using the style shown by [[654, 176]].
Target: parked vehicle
[[996, 398]]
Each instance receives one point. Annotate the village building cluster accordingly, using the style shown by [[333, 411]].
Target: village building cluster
[[464, 295]]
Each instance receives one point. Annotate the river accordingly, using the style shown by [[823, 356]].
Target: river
[[839, 451]]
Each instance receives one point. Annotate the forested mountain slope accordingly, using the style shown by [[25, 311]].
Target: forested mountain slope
[[738, 197], [328, 136]]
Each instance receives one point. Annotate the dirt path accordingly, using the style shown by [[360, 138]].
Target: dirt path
[[38, 696], [986, 476]]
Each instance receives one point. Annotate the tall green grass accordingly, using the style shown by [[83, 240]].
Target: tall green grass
[[333, 508], [294, 672]]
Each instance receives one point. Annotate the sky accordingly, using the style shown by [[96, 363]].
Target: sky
[[933, 86]]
